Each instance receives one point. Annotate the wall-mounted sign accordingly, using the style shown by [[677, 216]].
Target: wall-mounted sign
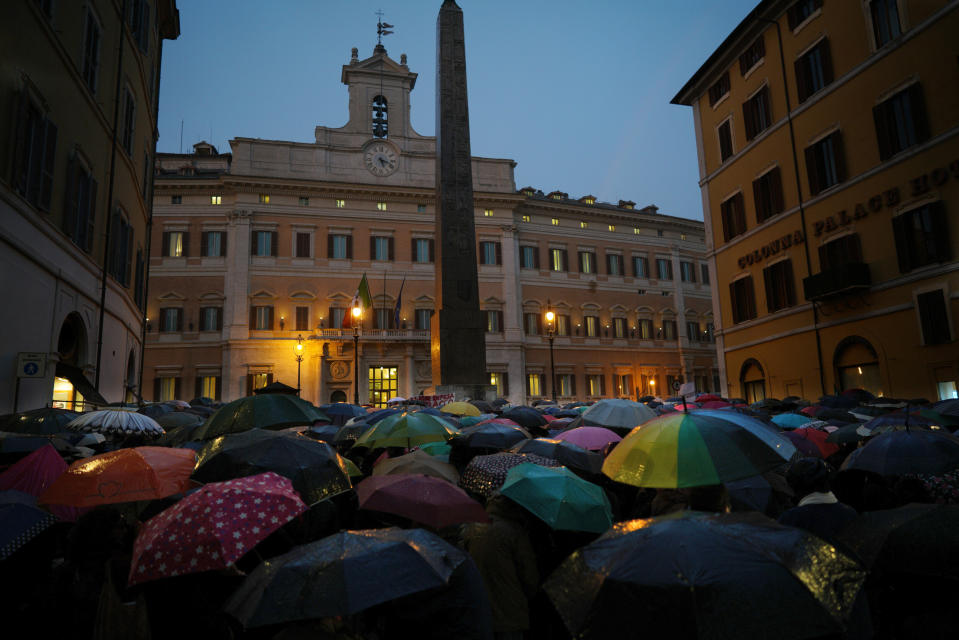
[[772, 248], [31, 365]]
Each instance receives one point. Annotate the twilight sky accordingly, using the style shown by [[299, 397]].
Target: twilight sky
[[577, 93]]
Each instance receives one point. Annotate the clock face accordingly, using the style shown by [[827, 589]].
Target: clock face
[[381, 159]]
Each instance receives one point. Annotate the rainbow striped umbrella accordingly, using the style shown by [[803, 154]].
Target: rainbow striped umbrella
[[679, 450]]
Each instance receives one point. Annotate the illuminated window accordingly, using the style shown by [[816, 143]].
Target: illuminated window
[[595, 385], [592, 326], [264, 198], [682, 236], [556, 196], [260, 380], [583, 225], [589, 200], [207, 385], [173, 244], [612, 227], [534, 384], [216, 199], [488, 213], [499, 380], [526, 218], [637, 231], [381, 206], [167, 389], [65, 396], [340, 203], [383, 385], [555, 222]]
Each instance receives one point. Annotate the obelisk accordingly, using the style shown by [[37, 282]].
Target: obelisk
[[457, 341]]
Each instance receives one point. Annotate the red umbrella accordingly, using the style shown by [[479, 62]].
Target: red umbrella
[[715, 404], [213, 527], [592, 438], [548, 417], [812, 410], [34, 473], [818, 437], [424, 499], [505, 421], [708, 397]]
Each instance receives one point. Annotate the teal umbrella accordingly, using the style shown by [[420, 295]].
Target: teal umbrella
[[559, 497], [265, 411], [407, 430], [791, 420]]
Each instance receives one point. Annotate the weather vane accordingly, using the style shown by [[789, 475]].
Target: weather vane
[[382, 28]]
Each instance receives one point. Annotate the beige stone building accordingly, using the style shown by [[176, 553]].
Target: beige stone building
[[827, 136], [78, 99], [262, 249]]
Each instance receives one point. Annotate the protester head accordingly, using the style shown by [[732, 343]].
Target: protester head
[[808, 475], [712, 498]]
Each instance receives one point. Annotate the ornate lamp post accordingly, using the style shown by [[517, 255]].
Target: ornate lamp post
[[298, 353], [550, 330], [357, 318]]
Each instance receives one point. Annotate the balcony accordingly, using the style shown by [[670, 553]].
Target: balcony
[[416, 335], [839, 281]]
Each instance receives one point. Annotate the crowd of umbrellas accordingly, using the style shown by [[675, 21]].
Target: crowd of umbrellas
[[271, 517]]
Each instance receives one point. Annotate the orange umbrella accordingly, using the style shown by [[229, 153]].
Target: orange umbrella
[[125, 475]]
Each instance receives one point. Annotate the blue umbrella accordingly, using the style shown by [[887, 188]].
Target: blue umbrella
[[20, 521], [895, 453], [340, 412], [791, 420], [770, 434]]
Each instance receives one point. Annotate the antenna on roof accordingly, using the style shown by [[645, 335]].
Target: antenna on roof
[[181, 135], [382, 28]]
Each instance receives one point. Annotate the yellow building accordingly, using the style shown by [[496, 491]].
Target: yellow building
[[829, 169], [79, 85]]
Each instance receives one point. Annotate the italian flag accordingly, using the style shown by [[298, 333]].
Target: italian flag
[[360, 299]]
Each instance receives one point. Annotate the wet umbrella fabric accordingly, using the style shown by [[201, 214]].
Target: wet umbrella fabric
[[124, 475], [42, 422], [422, 499], [116, 421], [343, 574], [558, 497], [213, 527], [566, 453], [484, 475], [483, 406], [154, 410], [20, 521], [266, 411], [493, 434], [622, 414], [315, 469], [349, 433], [804, 445], [708, 576], [791, 420], [460, 409], [592, 438], [340, 412], [178, 419], [407, 430], [526, 417], [819, 438], [417, 462], [34, 473], [911, 451]]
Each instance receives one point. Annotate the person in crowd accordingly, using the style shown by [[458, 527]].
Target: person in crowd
[[818, 510]]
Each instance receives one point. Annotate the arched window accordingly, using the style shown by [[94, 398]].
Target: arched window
[[380, 116], [857, 365], [338, 396], [752, 379]]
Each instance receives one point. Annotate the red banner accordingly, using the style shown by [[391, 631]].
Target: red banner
[[433, 401]]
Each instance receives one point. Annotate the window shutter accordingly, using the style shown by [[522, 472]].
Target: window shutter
[[49, 162], [156, 388], [391, 244], [940, 232], [166, 244], [528, 390], [223, 238], [536, 262], [128, 252], [413, 255], [749, 118], [432, 249], [372, 248], [329, 245], [776, 187], [269, 321], [499, 321], [840, 156], [349, 247], [186, 244], [197, 386], [249, 384], [205, 243], [70, 203], [177, 388], [579, 261], [880, 115], [19, 176], [269, 378], [274, 242], [499, 253], [801, 67], [770, 293], [602, 384], [216, 387], [539, 324], [812, 171], [825, 58], [219, 318], [253, 243], [179, 319], [91, 216], [918, 104], [505, 378], [252, 317]]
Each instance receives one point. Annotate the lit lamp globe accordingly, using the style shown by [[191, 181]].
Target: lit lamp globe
[[549, 316], [298, 347], [357, 312]]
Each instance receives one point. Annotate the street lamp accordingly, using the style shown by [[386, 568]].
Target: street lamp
[[298, 353], [357, 313], [550, 317]]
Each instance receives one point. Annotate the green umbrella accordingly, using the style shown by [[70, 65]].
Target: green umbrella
[[266, 411], [559, 497], [407, 430], [437, 448]]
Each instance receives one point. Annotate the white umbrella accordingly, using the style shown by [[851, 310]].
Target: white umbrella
[[115, 421], [395, 399], [618, 413]]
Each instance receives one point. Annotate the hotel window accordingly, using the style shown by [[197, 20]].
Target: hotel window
[[422, 250], [813, 70], [174, 244], [264, 198], [488, 213], [669, 329], [824, 163], [381, 248], [592, 326], [213, 244], [339, 247], [500, 380], [176, 199], [756, 113], [645, 329], [595, 384], [532, 323], [79, 218], [587, 262], [264, 243], [526, 218], [128, 129], [302, 318], [885, 21], [801, 10], [422, 318], [752, 56], [768, 195], [529, 257], [719, 89], [840, 252], [494, 321], [120, 256], [35, 155], [555, 222], [421, 208], [562, 325], [171, 319], [933, 317], [640, 267], [614, 264], [304, 202], [261, 318], [339, 203], [558, 260], [901, 121], [742, 299], [692, 331], [733, 211], [705, 271], [208, 387], [91, 51], [565, 385], [216, 199], [302, 244], [491, 253], [612, 227], [780, 288], [211, 318], [534, 384], [381, 206], [687, 272], [664, 269], [922, 237], [725, 133], [619, 327]]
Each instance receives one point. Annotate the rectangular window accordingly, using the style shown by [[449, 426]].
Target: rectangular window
[[383, 318], [557, 260], [645, 329], [383, 385], [529, 257], [692, 331], [339, 247], [619, 327], [664, 269], [583, 224], [35, 154], [768, 195], [637, 231], [166, 387], [128, 130], [565, 385], [304, 202], [526, 218], [595, 384], [669, 329], [339, 203], [216, 199], [901, 121], [708, 336], [562, 325], [211, 318], [752, 56], [120, 260], [733, 211], [213, 244], [725, 132], [491, 253], [90, 64], [261, 318], [264, 243], [421, 208], [534, 384], [171, 319], [139, 20], [259, 380], [687, 272], [423, 318], [207, 387], [264, 198], [757, 113], [640, 267], [422, 250], [501, 382], [587, 262], [885, 21], [494, 321], [922, 237], [79, 217], [302, 318], [742, 299], [839, 252], [933, 317], [592, 326], [614, 264], [381, 248], [705, 271], [381, 206], [138, 279], [780, 288], [825, 163], [554, 222], [719, 89], [801, 10], [174, 245], [176, 199], [337, 315], [488, 213], [813, 70], [531, 323]]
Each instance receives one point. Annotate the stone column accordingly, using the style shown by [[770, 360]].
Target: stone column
[[236, 311], [685, 360]]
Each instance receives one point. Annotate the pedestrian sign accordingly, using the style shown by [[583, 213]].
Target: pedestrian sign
[[31, 365]]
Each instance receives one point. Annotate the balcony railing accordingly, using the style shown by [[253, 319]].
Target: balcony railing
[[375, 334], [838, 281]]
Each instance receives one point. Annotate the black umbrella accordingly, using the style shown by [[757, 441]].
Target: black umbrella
[[202, 401], [324, 432], [696, 575], [489, 435], [350, 433], [276, 387], [41, 422], [341, 412], [315, 469], [909, 451], [155, 410], [343, 574], [483, 406], [526, 417], [484, 475], [566, 453]]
